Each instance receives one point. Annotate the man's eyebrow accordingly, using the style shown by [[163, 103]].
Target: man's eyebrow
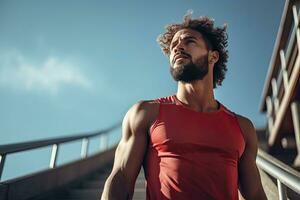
[[189, 37], [184, 38], [173, 42]]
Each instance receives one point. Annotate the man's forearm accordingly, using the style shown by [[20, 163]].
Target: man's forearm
[[261, 196], [257, 196], [115, 188]]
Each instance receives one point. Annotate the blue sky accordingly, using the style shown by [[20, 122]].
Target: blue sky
[[77, 66]]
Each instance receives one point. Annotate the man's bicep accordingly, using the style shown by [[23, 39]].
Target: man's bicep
[[249, 178], [248, 173], [131, 148]]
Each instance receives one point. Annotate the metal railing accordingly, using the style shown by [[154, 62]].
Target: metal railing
[[286, 176], [56, 142]]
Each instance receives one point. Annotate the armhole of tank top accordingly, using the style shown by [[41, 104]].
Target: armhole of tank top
[[155, 122], [241, 133]]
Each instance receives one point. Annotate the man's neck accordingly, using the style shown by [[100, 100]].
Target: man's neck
[[198, 95]]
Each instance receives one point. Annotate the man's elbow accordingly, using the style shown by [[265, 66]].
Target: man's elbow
[[255, 194], [260, 195], [115, 187]]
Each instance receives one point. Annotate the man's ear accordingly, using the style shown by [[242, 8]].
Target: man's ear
[[213, 57]]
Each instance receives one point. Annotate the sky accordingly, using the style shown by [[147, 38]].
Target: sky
[[69, 67]]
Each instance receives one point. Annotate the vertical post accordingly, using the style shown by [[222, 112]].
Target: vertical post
[[269, 113], [103, 142], [295, 16], [53, 158], [284, 71], [296, 21], [281, 190], [2, 161], [84, 147], [298, 38], [275, 94], [295, 109]]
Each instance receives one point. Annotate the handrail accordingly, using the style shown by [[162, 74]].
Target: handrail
[[24, 146], [285, 175]]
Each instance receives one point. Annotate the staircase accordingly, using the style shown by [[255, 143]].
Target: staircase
[[91, 187], [84, 179]]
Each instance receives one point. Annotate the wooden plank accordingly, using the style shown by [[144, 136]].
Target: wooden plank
[[284, 106], [281, 40]]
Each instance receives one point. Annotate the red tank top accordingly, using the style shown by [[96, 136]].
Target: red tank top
[[193, 155]]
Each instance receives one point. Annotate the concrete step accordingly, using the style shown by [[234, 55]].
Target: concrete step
[[91, 187], [100, 184], [139, 193], [100, 177]]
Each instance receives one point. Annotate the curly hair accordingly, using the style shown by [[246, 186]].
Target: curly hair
[[215, 38]]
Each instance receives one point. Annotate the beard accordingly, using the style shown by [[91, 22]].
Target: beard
[[191, 71]]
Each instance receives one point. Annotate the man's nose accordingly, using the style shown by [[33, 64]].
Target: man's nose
[[179, 47]]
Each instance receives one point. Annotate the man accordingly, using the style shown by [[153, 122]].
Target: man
[[190, 145]]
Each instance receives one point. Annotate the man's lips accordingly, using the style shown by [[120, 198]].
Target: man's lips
[[180, 56]]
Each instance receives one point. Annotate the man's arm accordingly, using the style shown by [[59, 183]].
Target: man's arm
[[130, 152], [249, 179]]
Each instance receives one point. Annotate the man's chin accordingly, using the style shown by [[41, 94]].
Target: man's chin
[[180, 64]]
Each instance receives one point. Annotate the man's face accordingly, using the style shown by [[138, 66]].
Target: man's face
[[188, 56]]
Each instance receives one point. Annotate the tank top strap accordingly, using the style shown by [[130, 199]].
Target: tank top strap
[[165, 100]]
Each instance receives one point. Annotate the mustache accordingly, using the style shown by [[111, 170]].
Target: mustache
[[181, 53]]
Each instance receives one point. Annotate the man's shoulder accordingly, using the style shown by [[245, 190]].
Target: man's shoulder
[[247, 127], [151, 105], [244, 121], [144, 106], [142, 114]]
